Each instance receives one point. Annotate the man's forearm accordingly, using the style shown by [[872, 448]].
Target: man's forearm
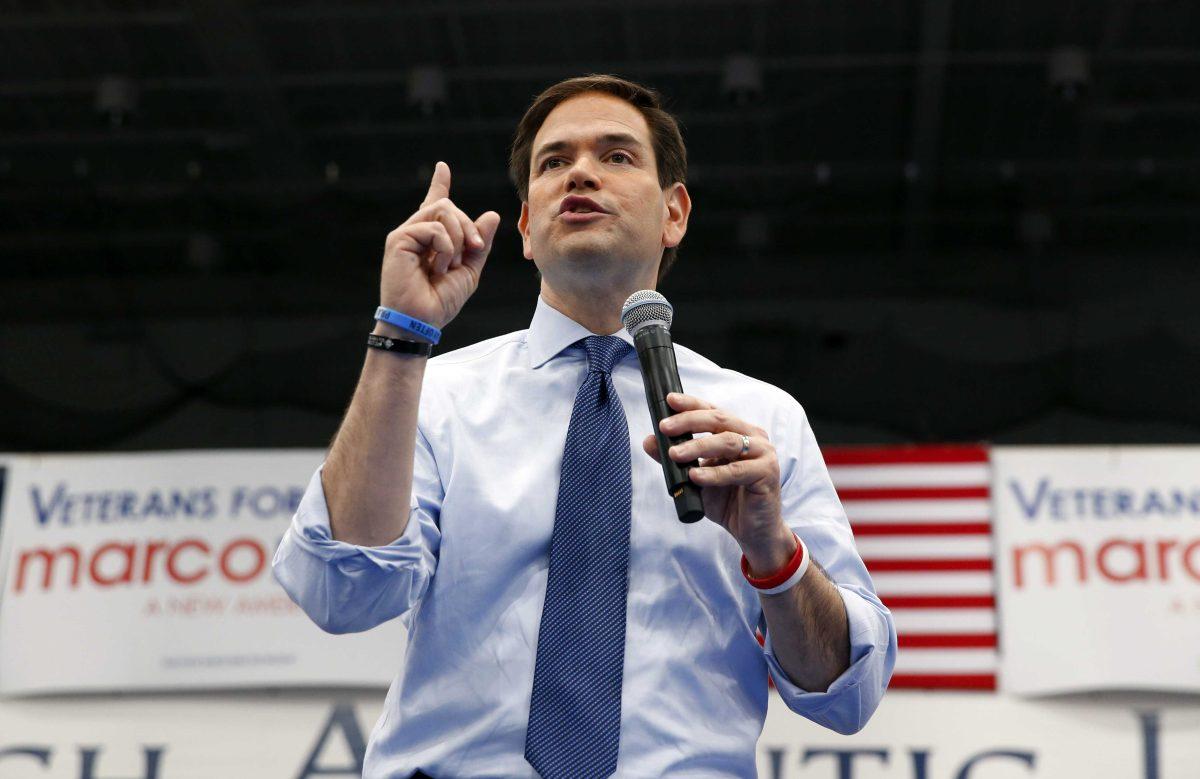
[[809, 631], [367, 476]]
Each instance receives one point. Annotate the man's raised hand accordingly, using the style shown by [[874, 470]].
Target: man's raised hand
[[432, 262]]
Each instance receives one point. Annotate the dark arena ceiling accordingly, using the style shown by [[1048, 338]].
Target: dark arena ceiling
[[927, 220]]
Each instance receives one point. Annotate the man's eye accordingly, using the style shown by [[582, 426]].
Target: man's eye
[[619, 156], [553, 162]]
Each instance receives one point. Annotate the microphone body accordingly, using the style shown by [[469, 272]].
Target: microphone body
[[660, 375]]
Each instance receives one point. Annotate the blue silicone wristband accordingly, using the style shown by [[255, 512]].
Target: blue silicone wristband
[[406, 322]]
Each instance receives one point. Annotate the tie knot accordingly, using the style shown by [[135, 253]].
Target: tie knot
[[603, 351]]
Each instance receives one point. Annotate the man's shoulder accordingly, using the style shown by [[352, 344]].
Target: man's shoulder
[[460, 375], [707, 376]]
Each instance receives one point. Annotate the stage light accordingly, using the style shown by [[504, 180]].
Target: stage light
[[427, 88], [117, 97], [1069, 72], [742, 81]]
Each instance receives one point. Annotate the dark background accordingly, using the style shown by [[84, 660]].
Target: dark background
[[928, 221]]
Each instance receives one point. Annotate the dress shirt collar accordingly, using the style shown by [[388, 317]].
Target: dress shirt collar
[[551, 331]]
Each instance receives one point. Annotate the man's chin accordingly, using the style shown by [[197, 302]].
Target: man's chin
[[591, 253], [584, 248]]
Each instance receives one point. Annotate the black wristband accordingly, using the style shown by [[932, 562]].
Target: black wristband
[[389, 344]]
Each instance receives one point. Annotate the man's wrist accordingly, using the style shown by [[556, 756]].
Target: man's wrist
[[770, 552], [391, 331], [409, 324]]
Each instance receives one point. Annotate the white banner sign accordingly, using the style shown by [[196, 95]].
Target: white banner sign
[[154, 571], [304, 736], [1099, 567], [984, 736]]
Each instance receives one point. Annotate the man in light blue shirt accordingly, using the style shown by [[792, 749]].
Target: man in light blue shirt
[[472, 442]]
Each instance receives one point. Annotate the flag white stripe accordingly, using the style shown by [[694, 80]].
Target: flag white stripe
[[934, 583], [946, 661], [964, 475], [945, 620], [923, 547], [937, 510]]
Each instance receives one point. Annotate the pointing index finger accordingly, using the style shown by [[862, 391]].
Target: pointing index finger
[[439, 185]]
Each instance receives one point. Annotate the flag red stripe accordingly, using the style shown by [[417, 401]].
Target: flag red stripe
[[922, 528], [939, 601], [947, 640], [945, 681], [920, 566], [888, 455], [912, 493]]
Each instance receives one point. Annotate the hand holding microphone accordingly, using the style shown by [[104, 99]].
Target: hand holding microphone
[[731, 475]]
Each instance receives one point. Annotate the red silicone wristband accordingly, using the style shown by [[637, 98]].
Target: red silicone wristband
[[780, 576]]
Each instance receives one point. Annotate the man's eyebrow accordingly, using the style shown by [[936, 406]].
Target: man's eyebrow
[[608, 139]]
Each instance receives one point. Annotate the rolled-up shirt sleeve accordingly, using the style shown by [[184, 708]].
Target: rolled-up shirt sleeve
[[853, 697], [812, 509], [346, 588]]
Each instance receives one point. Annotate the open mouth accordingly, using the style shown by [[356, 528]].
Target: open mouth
[[574, 207]]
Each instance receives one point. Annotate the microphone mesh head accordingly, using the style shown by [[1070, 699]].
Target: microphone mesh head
[[646, 307]]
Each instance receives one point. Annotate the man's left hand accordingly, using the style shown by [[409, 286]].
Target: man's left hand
[[740, 491]]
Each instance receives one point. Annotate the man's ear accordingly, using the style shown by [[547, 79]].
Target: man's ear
[[523, 228], [679, 205]]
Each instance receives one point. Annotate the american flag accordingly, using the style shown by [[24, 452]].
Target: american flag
[[922, 521]]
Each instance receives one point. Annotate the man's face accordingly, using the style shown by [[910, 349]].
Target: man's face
[[595, 206]]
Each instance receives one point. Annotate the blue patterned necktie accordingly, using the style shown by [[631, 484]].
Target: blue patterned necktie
[[575, 710]]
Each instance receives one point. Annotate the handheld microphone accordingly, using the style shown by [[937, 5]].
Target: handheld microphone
[[647, 316]]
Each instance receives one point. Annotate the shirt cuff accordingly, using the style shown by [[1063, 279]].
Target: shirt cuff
[[310, 531], [851, 699]]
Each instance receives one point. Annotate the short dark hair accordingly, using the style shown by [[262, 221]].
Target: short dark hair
[[669, 152]]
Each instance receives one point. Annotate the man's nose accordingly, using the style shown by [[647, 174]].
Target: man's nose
[[583, 174]]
